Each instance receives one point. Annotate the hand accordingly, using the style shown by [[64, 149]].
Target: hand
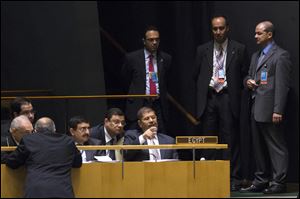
[[150, 133], [251, 84], [277, 118]]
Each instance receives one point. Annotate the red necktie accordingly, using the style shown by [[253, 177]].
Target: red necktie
[[151, 71]]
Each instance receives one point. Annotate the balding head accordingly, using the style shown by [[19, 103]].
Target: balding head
[[20, 126], [267, 26], [264, 33], [45, 124]]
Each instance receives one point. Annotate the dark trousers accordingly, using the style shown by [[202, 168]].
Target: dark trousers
[[218, 120], [270, 152]]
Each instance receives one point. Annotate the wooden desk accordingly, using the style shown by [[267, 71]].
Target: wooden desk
[[140, 179]]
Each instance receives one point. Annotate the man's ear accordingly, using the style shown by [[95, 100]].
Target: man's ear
[[72, 131], [139, 123]]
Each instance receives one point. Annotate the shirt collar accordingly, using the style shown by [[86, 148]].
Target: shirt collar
[[268, 47], [147, 53], [224, 45], [107, 136]]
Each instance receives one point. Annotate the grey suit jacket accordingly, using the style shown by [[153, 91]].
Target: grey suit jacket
[[132, 138], [271, 97]]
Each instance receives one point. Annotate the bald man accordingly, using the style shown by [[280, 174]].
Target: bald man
[[19, 127], [49, 157], [268, 80]]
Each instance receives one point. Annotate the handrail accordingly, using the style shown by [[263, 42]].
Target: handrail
[[25, 91], [82, 97], [135, 147]]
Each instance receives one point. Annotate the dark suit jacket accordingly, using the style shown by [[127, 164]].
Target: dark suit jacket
[[236, 69], [271, 97], [91, 153], [132, 138], [98, 133], [134, 72], [49, 158], [6, 141]]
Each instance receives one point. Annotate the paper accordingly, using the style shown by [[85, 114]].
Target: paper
[[104, 159]]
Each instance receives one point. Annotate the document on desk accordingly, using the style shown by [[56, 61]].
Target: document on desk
[[162, 160], [104, 159]]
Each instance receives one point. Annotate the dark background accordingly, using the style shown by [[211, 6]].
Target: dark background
[[57, 46]]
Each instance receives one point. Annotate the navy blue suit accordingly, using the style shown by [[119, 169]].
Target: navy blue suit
[[132, 138]]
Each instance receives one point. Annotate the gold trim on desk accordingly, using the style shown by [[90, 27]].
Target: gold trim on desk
[[135, 147]]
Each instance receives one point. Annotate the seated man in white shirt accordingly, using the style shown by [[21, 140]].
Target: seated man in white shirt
[[148, 134]]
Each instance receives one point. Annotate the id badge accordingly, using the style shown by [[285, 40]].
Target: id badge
[[264, 77], [221, 76], [153, 76]]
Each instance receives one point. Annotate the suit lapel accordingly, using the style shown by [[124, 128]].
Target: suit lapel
[[142, 65], [230, 53], [267, 56], [209, 56]]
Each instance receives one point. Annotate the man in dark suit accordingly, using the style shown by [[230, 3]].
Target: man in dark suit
[[19, 127], [19, 106], [221, 65], [49, 157], [79, 130], [269, 80], [111, 132], [148, 134], [145, 73]]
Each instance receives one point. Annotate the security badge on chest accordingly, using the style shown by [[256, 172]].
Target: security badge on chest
[[221, 76], [264, 75], [153, 76]]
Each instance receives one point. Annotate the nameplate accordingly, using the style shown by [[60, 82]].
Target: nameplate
[[196, 139]]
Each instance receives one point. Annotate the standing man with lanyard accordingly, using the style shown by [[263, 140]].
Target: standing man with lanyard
[[221, 65], [269, 80], [145, 71]]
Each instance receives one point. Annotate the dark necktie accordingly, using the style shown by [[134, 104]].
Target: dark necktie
[[112, 152], [151, 72]]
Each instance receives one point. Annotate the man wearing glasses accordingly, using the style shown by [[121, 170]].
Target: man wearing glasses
[[145, 72], [79, 129], [111, 132], [19, 106]]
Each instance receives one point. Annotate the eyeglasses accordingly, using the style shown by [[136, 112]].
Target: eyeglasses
[[117, 122], [83, 129]]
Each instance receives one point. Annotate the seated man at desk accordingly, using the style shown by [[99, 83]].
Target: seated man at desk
[[148, 134], [79, 129], [111, 132]]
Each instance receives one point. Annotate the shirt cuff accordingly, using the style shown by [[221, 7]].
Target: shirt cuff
[[142, 139]]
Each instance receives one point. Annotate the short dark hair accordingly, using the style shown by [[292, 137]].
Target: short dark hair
[[149, 28], [143, 110], [220, 15], [74, 121], [113, 111], [15, 106]]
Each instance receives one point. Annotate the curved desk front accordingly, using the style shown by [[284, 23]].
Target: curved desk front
[[138, 179]]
